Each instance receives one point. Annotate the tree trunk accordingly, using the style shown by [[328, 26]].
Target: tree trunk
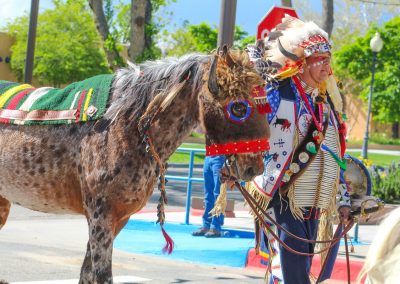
[[140, 16], [113, 57], [395, 130], [327, 16], [287, 3]]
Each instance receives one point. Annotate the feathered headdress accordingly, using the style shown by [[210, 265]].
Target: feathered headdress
[[284, 51], [291, 42]]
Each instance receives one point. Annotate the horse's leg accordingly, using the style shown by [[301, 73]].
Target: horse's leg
[[4, 210], [87, 268], [86, 271], [100, 219]]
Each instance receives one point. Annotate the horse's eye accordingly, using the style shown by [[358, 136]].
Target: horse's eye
[[238, 111]]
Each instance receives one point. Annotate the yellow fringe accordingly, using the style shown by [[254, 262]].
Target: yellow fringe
[[325, 232], [220, 204], [296, 211], [261, 199]]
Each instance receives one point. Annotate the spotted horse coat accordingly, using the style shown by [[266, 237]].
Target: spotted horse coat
[[101, 169]]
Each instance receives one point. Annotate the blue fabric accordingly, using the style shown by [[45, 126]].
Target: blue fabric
[[274, 99], [212, 184], [295, 268]]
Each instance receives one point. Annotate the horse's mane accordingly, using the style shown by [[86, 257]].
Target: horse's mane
[[135, 87]]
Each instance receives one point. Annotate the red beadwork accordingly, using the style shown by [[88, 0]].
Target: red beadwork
[[258, 145]]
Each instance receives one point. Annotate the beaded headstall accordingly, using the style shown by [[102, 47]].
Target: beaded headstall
[[238, 111]]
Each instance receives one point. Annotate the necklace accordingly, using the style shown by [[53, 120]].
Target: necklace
[[304, 98], [307, 88]]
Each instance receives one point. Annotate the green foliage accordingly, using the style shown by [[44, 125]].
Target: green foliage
[[120, 26], [242, 44], [67, 45], [200, 38], [354, 62], [384, 140], [386, 183]]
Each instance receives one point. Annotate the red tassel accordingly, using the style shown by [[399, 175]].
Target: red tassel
[[342, 133], [169, 246], [264, 108]]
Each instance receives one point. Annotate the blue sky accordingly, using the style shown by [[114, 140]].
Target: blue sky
[[248, 12]]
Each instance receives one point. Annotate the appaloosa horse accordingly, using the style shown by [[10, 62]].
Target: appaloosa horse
[[102, 170]]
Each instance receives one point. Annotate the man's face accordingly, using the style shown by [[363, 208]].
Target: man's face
[[319, 66]]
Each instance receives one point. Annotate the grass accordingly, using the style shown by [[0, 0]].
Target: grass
[[377, 159], [183, 158], [378, 139]]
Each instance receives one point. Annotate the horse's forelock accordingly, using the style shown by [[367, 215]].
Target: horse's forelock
[[239, 80]]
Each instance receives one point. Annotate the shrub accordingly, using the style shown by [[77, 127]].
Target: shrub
[[386, 182]]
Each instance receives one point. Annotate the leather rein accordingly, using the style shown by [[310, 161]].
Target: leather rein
[[261, 214]]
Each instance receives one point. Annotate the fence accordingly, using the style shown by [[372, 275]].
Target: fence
[[189, 178]]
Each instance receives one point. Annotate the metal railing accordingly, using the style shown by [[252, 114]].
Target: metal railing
[[189, 178]]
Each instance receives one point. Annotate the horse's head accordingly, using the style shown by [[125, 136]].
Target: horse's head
[[232, 121]]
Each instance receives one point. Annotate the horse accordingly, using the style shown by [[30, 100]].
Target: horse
[[103, 170]]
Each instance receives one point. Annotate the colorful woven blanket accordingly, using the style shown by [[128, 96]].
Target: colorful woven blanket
[[78, 102]]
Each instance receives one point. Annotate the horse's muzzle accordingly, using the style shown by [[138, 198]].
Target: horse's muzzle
[[246, 166]]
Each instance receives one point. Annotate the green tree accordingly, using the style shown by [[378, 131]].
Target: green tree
[[354, 62], [67, 45], [135, 25], [200, 38]]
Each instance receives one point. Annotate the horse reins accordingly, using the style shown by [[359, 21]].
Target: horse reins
[[260, 212]]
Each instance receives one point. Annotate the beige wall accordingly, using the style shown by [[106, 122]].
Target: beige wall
[[5, 70], [356, 111]]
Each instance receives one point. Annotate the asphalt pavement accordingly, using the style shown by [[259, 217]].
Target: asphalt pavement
[[45, 247], [50, 249]]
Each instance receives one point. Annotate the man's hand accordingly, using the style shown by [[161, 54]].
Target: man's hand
[[345, 215]]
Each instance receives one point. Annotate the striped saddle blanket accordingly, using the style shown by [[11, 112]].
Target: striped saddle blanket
[[79, 102]]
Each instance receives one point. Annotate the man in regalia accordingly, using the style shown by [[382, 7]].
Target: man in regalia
[[301, 185]]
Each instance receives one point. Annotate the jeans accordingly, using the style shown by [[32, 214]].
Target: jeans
[[212, 184]]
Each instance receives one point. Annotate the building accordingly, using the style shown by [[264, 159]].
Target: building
[[5, 57]]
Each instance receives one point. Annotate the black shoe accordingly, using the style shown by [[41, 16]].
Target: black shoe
[[200, 232], [213, 234]]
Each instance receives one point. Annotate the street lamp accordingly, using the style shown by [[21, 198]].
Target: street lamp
[[376, 45]]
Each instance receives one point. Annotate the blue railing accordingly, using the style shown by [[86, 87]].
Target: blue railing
[[189, 178]]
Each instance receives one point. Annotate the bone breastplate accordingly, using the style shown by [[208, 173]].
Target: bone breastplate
[[319, 181]]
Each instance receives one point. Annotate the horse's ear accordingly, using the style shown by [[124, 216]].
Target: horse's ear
[[227, 56], [212, 77], [224, 51]]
